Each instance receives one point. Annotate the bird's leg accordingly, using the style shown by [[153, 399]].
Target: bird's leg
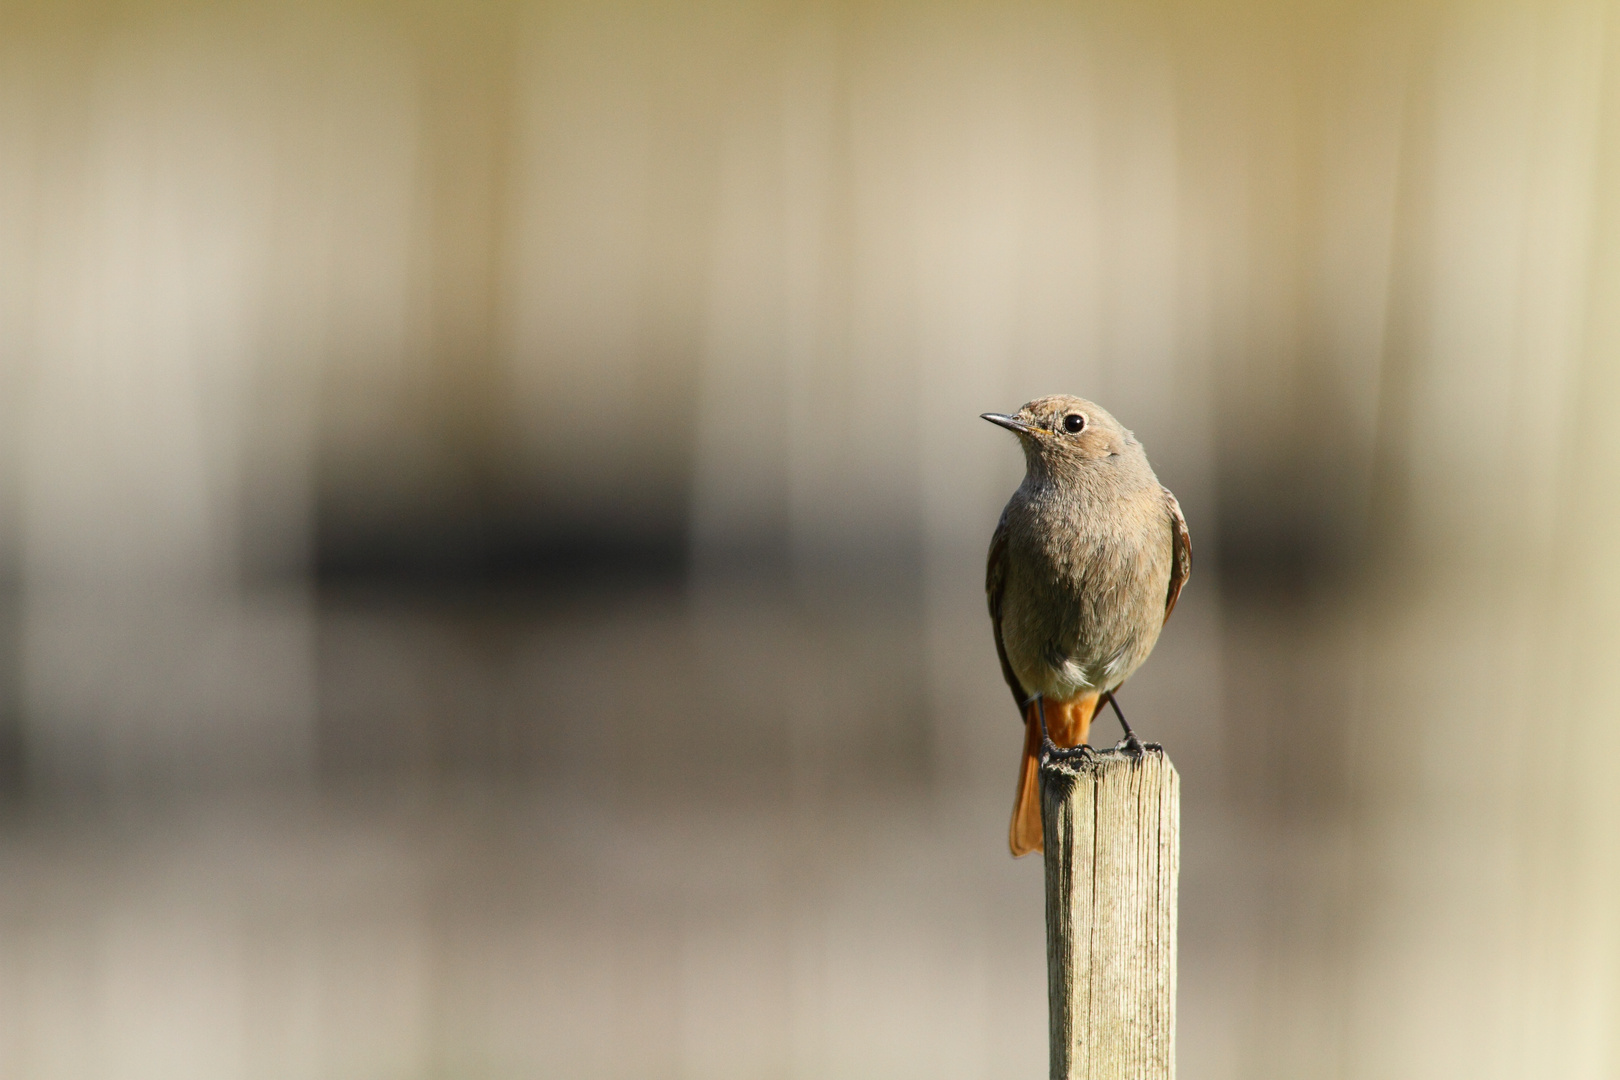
[[1047, 745], [1132, 744], [1050, 749]]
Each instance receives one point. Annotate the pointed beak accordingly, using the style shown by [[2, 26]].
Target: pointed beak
[[1011, 423]]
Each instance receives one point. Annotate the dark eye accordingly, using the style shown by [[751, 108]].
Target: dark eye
[[1074, 423]]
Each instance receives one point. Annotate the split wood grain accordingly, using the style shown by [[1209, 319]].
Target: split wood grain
[[1113, 852]]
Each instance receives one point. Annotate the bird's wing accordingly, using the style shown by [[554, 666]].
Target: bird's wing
[[995, 581], [1180, 551]]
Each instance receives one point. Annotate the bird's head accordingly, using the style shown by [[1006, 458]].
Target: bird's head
[[1062, 432]]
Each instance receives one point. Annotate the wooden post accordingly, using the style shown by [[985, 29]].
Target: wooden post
[[1113, 850]]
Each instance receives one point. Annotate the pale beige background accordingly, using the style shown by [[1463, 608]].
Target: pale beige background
[[492, 510]]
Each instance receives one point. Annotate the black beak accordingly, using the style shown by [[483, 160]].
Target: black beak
[[1011, 423]]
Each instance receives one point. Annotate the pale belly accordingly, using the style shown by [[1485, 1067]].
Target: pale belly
[[1085, 631]]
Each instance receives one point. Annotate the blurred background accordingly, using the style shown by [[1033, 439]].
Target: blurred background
[[492, 518]]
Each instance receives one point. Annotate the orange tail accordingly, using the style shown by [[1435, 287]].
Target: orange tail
[[1068, 723]]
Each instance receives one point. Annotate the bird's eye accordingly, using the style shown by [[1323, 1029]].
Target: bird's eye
[[1074, 423]]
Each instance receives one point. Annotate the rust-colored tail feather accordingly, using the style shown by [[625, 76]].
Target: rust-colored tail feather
[[1068, 723]]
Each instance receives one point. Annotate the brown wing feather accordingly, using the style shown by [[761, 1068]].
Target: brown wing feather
[[1181, 550], [995, 580]]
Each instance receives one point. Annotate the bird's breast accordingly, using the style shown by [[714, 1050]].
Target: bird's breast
[[1085, 590]]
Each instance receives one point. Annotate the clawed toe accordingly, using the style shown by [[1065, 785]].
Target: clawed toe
[[1051, 751]]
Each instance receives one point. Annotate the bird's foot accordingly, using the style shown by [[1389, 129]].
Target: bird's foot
[[1130, 744], [1136, 747], [1051, 751]]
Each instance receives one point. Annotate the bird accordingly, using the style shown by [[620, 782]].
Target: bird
[[1085, 566]]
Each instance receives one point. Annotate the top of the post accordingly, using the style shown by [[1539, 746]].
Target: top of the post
[[1085, 761]]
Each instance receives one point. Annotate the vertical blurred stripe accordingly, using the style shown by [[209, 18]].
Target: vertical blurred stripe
[[208, 213], [1476, 851]]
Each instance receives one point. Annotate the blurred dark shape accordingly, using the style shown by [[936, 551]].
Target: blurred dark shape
[[1288, 527], [474, 544], [13, 752]]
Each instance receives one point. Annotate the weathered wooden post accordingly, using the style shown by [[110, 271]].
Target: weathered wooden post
[[1113, 851]]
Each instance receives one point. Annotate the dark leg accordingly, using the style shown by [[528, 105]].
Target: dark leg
[[1050, 749], [1133, 745]]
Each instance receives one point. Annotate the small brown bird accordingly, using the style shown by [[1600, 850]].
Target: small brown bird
[[1085, 567]]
